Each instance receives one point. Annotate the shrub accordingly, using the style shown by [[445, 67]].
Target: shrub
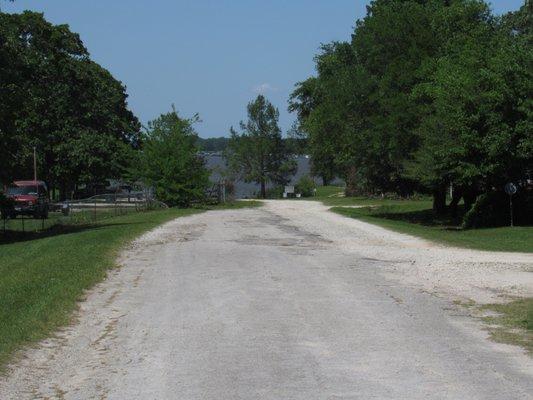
[[275, 192], [6, 205], [492, 210], [306, 186]]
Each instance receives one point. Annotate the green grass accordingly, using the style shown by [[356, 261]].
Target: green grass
[[77, 217], [513, 322], [235, 205], [334, 196], [416, 217]]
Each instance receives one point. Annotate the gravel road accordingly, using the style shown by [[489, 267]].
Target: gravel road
[[287, 301]]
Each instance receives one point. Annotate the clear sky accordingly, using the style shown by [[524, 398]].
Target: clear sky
[[207, 56]]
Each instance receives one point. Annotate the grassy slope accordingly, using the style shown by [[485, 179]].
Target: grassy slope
[[416, 218], [43, 278]]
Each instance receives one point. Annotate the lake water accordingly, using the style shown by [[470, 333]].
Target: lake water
[[217, 163]]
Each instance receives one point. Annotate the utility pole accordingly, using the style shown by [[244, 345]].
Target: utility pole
[[34, 163]]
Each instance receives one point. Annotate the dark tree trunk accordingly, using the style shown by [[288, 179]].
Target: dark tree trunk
[[457, 194], [439, 200], [325, 180], [470, 196], [351, 184], [263, 190]]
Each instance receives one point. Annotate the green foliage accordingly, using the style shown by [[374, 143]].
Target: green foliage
[[275, 192], [6, 205], [75, 113], [476, 129], [169, 161], [426, 94], [258, 154], [493, 209], [306, 186]]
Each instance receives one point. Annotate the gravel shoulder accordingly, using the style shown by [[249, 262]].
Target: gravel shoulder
[[464, 274], [287, 301]]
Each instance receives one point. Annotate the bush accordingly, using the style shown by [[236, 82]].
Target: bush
[[275, 192], [306, 186], [6, 205], [492, 210]]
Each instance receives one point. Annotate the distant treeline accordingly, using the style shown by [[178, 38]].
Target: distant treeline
[[217, 144], [427, 94], [220, 144]]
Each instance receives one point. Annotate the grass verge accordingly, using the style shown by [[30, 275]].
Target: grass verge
[[511, 323], [45, 274], [416, 217]]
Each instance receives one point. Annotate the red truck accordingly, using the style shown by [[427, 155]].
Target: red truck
[[29, 198]]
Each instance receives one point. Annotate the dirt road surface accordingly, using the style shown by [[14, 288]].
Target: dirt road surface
[[287, 301]]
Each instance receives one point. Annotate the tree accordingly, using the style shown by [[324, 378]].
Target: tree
[[169, 161], [305, 101], [476, 132], [258, 154], [53, 97]]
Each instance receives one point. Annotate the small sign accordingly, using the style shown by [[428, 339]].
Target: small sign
[[289, 189], [510, 188]]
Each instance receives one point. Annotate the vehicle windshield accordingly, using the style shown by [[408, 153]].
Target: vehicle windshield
[[22, 190]]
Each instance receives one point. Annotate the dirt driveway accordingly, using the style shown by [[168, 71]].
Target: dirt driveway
[[288, 301]]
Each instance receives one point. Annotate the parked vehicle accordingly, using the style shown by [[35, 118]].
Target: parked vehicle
[[29, 198]]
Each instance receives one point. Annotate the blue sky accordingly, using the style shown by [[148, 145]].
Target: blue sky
[[207, 56]]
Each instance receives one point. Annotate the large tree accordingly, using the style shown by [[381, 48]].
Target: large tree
[[258, 154], [54, 98], [476, 129]]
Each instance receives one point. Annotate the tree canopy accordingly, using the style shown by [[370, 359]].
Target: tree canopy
[[169, 161], [258, 154], [426, 94], [55, 98]]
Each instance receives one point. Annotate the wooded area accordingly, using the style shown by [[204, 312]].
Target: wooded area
[[426, 95], [55, 98]]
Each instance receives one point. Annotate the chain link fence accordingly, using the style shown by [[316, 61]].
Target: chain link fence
[[81, 212]]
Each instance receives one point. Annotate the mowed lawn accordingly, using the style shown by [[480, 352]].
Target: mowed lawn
[[43, 278], [416, 217]]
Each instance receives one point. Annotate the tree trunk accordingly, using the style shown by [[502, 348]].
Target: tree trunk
[[439, 200], [457, 194], [351, 184], [470, 196], [263, 189], [325, 180]]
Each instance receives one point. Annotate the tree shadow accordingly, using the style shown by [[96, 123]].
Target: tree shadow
[[425, 218], [13, 236]]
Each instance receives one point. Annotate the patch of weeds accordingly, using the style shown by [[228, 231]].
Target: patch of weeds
[[465, 303], [511, 322]]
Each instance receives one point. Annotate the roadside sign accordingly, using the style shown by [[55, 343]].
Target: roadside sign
[[511, 189]]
